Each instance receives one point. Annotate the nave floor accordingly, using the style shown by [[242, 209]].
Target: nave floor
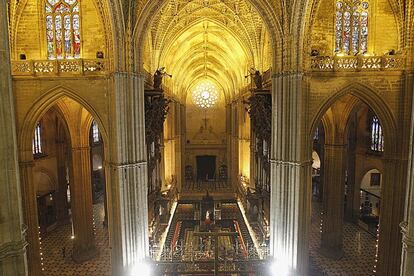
[[359, 250], [55, 265], [359, 247]]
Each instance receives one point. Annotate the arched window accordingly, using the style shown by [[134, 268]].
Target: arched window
[[95, 132], [377, 137], [62, 29], [37, 140], [351, 27]]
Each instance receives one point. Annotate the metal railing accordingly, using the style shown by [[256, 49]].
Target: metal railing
[[210, 185], [209, 259]]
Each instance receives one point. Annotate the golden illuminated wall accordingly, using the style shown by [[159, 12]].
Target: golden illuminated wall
[[214, 41], [31, 31], [382, 28], [244, 142]]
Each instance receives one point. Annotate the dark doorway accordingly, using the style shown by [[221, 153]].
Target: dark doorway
[[206, 167]]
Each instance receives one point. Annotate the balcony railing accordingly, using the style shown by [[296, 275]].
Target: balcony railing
[[357, 63], [59, 67]]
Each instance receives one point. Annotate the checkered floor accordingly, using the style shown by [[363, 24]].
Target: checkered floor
[[55, 264], [359, 250]]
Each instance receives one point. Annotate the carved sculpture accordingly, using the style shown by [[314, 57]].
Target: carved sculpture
[[158, 75], [156, 110], [260, 111], [257, 78]]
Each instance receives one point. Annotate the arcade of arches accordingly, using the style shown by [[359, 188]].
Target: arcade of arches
[[206, 137]]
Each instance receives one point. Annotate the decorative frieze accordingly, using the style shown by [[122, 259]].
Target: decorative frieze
[[357, 63], [59, 67]]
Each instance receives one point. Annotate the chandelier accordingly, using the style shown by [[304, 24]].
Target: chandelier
[[205, 95]]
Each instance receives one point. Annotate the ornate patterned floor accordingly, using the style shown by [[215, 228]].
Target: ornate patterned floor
[[55, 264], [359, 250]]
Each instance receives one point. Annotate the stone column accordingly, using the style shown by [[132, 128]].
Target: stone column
[[128, 205], [61, 194], [333, 201], [81, 205], [12, 231], [30, 213], [353, 193], [290, 173], [407, 226]]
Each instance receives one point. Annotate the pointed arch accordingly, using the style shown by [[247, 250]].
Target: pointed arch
[[373, 100], [42, 105]]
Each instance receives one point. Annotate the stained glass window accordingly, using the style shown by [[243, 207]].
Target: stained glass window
[[351, 27], [62, 29], [377, 137], [95, 132], [37, 140], [316, 134]]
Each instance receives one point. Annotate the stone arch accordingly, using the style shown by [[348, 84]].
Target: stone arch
[[366, 170], [264, 8], [46, 175], [42, 105], [53, 98], [394, 194], [371, 99]]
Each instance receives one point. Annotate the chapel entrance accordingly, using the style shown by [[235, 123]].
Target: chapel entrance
[[206, 167]]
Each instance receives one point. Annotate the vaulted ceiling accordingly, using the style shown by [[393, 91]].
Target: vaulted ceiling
[[217, 40]]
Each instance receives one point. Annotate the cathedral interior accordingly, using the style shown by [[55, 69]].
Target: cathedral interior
[[206, 137]]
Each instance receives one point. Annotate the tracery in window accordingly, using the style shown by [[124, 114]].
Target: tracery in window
[[37, 140], [351, 27], [95, 132], [377, 137], [62, 29]]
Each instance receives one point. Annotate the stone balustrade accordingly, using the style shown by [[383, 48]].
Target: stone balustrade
[[357, 63], [59, 67]]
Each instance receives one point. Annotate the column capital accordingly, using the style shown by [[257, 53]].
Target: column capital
[[128, 165], [27, 163], [129, 74], [12, 249], [407, 239], [287, 73], [335, 146], [81, 148], [291, 163]]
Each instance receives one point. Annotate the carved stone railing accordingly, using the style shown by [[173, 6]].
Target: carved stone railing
[[357, 63], [59, 67]]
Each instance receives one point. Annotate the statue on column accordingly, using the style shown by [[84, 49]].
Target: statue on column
[[158, 75], [257, 78]]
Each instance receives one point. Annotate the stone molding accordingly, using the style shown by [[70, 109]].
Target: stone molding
[[128, 165], [291, 163], [13, 249], [407, 240]]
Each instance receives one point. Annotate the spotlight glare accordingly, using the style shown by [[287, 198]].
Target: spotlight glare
[[141, 269], [279, 268]]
